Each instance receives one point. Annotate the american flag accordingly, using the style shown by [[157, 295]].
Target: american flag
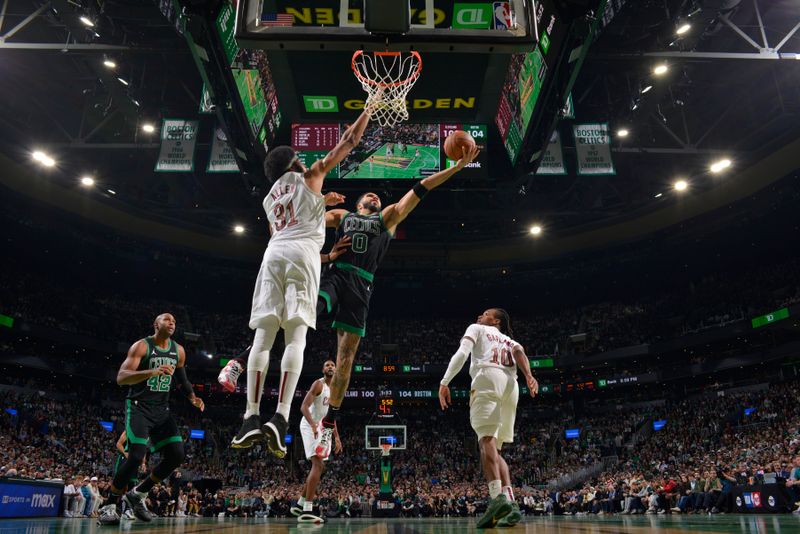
[[277, 19]]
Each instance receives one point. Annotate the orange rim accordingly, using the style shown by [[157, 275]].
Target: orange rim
[[412, 77]]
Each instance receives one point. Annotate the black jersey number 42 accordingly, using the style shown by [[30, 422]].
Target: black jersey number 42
[[159, 383]]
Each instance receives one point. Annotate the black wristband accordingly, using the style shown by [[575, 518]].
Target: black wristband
[[420, 190], [180, 373]]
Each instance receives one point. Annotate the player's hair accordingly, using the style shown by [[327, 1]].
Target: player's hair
[[505, 322], [278, 161]]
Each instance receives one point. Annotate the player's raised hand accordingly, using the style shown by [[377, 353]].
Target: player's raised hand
[[468, 157], [333, 199], [533, 385], [444, 396], [339, 248], [198, 403]]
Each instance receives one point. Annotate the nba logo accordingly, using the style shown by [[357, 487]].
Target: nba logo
[[502, 16]]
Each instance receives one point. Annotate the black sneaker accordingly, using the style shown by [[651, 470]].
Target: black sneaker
[[108, 515], [275, 434], [138, 506], [249, 433]]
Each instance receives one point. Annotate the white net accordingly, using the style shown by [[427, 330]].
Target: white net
[[387, 77]]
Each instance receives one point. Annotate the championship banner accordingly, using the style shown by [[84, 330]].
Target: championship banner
[[593, 148], [178, 139], [553, 159], [221, 158]]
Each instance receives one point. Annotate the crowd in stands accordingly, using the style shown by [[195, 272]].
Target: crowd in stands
[[707, 447]]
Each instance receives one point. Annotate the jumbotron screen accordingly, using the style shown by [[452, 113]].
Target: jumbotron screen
[[405, 151]]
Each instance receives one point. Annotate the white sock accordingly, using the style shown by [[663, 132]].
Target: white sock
[[509, 492], [301, 501], [495, 488], [257, 366], [308, 506], [291, 365]]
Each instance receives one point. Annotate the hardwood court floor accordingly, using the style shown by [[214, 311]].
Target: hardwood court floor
[[750, 524]]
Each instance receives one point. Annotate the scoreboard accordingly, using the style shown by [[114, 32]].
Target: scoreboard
[[313, 141]]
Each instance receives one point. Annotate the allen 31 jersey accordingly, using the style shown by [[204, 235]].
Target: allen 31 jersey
[[295, 212]]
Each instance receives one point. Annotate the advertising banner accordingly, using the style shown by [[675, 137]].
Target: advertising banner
[[29, 498]]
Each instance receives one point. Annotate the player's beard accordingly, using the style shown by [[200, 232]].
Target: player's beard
[[371, 206]]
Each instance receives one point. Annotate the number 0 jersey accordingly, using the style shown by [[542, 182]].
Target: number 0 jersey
[[369, 241], [294, 211], [491, 349], [155, 390]]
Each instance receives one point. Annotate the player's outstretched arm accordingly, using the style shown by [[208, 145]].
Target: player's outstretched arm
[[180, 373], [308, 400], [456, 363], [396, 213], [128, 374], [350, 139], [524, 365]]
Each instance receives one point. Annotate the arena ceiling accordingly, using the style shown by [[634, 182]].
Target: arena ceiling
[[730, 92]]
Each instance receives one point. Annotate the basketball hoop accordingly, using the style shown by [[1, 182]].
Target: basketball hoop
[[386, 447], [387, 77]]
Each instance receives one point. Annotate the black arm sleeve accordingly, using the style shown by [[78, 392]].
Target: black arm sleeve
[[180, 374]]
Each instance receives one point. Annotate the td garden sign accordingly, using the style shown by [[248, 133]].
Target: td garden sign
[[330, 104]]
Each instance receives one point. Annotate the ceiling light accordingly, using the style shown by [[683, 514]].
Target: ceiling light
[[683, 29], [209, 355], [623, 133], [680, 185], [535, 229], [239, 229], [721, 165], [123, 82], [87, 181], [646, 89], [86, 21], [149, 128], [110, 64], [658, 195], [111, 191], [635, 106], [660, 70], [43, 158]]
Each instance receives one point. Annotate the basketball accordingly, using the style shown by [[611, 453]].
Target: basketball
[[455, 144]]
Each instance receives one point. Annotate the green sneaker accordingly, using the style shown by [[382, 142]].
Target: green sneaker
[[513, 517], [498, 508]]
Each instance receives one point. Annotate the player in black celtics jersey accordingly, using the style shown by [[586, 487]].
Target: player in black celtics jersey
[[346, 284], [148, 371]]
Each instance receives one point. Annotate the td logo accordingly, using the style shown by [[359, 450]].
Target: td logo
[[321, 104], [472, 16]]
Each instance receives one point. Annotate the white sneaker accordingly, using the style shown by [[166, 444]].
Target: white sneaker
[[129, 515], [230, 375]]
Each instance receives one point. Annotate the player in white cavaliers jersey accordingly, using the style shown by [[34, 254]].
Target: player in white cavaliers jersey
[[496, 357], [314, 408], [287, 286]]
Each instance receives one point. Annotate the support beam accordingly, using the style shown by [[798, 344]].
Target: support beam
[[27, 20], [788, 36], [699, 56], [660, 150], [740, 33], [761, 24], [3, 14], [81, 47]]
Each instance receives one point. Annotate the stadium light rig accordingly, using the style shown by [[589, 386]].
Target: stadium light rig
[[43, 158], [719, 166], [535, 230], [647, 89], [660, 70], [109, 63], [622, 132], [86, 21], [683, 28], [87, 181], [239, 229], [681, 185], [148, 128]]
